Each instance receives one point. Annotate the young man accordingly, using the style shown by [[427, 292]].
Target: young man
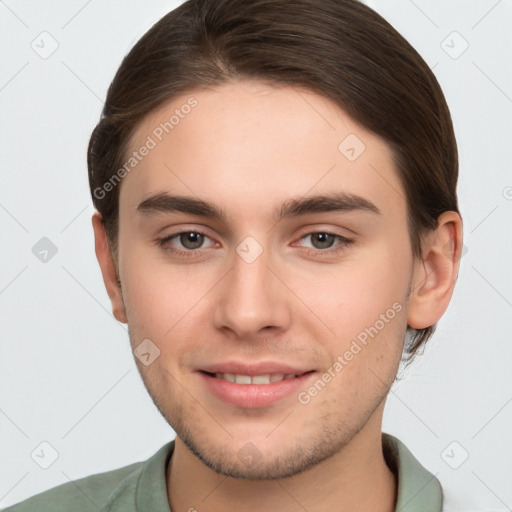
[[276, 194]]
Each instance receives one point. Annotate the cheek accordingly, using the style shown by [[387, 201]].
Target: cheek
[[355, 296], [363, 302], [158, 296]]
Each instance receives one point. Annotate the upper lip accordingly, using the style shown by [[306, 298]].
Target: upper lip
[[251, 369]]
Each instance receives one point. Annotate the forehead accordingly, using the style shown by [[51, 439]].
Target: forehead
[[249, 142]]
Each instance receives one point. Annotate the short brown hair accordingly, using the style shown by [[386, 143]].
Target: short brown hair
[[339, 49]]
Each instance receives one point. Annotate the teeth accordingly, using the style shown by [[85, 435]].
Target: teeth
[[243, 379], [256, 379], [261, 379]]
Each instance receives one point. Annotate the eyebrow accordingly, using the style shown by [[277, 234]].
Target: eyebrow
[[336, 202]]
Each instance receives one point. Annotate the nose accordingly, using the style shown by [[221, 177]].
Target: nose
[[252, 301]]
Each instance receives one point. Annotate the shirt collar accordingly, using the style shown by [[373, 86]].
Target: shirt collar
[[151, 490], [418, 489]]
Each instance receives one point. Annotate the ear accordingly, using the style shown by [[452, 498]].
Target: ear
[[108, 268], [436, 273]]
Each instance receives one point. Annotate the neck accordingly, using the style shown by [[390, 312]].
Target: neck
[[355, 478]]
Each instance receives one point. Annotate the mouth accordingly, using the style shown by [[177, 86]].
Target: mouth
[[255, 389], [254, 379]]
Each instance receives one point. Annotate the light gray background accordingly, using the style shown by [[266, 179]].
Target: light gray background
[[67, 376]]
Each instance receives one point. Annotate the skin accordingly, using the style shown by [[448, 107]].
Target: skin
[[248, 147]]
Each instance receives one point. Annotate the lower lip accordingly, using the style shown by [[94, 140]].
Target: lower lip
[[254, 396]]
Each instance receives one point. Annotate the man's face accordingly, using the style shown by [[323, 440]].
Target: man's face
[[254, 296]]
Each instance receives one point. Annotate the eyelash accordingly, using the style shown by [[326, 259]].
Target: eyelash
[[343, 242]]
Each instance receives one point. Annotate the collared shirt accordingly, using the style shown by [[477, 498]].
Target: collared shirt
[[141, 487]]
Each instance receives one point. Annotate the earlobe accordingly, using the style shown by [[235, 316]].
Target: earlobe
[[435, 275], [108, 268]]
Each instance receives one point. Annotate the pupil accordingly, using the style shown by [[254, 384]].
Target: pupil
[[324, 240], [191, 240]]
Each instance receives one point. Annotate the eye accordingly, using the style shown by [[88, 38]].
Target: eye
[[191, 240], [185, 241], [321, 240], [194, 242], [324, 243]]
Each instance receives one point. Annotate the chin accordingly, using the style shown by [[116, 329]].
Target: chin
[[273, 461]]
